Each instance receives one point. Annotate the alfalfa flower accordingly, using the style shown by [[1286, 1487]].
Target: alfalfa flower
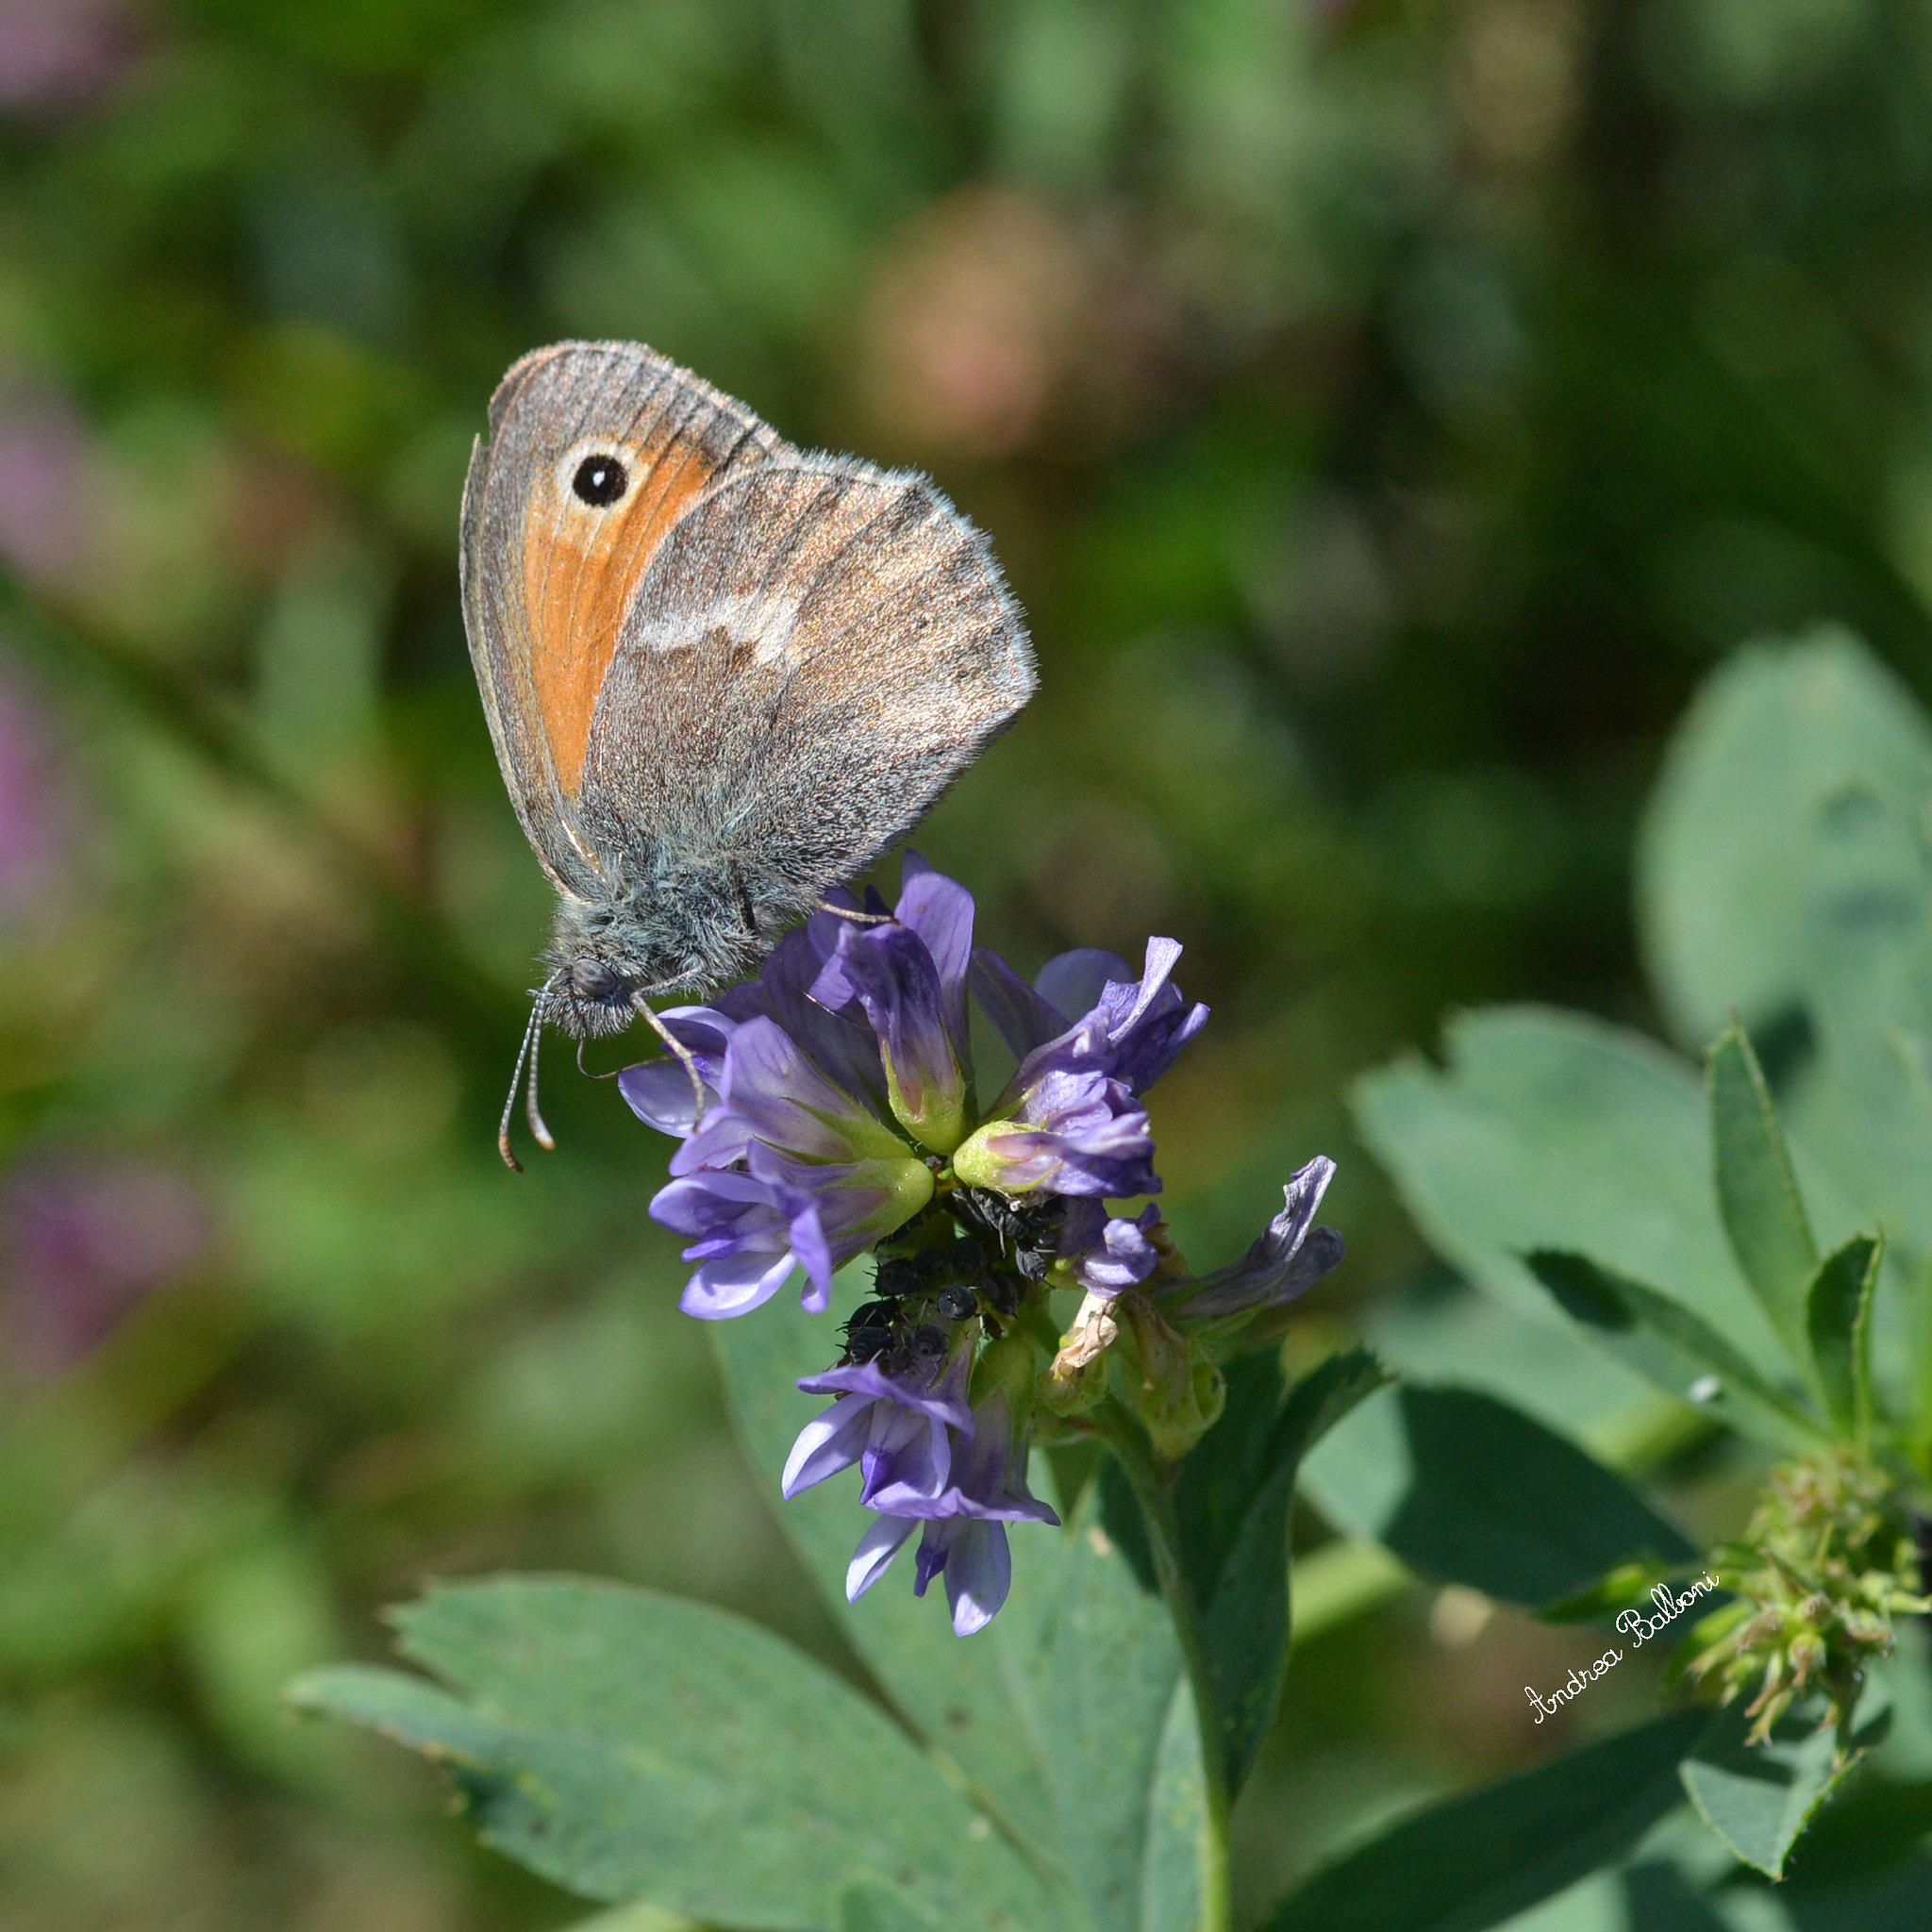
[[838, 1117]]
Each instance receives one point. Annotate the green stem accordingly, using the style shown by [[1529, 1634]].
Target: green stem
[[1157, 1507]]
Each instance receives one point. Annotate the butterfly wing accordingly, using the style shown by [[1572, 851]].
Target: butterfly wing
[[549, 573], [818, 648]]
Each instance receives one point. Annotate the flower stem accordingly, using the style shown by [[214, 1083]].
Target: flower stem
[[1156, 1508]]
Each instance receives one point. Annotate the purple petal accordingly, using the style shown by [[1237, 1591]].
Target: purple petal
[[1124, 1002], [944, 1400], [734, 1286], [658, 1092], [832, 1035], [1123, 1258], [940, 911], [785, 1102], [876, 1549], [1019, 1015], [721, 1139], [1287, 1259], [697, 1204], [909, 1460], [979, 1574], [888, 969], [1071, 983], [935, 1546], [812, 1253], [827, 1443]]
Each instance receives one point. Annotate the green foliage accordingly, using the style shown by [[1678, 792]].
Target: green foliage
[[1231, 1503], [1476, 1860], [1735, 843], [1838, 1333], [1063, 1711], [1806, 761], [1464, 1488], [1756, 1192], [631, 1746], [1070, 1729], [1758, 1797], [1678, 1350], [1554, 1130]]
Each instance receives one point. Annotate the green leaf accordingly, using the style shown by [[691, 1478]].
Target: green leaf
[[1104, 1665], [1472, 1861], [1464, 1488], [635, 1747], [1658, 1898], [1732, 850], [1554, 1130], [1624, 1588], [1058, 1709], [1757, 1193], [1534, 1359], [971, 1698], [1782, 871], [1179, 1868], [1867, 1106], [634, 1918], [871, 1907], [1758, 1797], [1679, 1353], [1838, 1322], [1232, 1501]]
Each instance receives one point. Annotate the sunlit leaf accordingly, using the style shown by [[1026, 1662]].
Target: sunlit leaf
[[1684, 1355], [633, 1746], [1465, 1488], [1756, 1192], [1838, 1320]]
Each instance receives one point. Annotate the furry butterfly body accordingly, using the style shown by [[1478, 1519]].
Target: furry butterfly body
[[722, 674]]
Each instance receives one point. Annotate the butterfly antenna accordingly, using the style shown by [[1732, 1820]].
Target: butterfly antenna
[[532, 1113], [681, 1051], [516, 1080]]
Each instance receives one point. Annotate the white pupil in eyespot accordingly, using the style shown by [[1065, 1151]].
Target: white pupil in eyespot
[[600, 480]]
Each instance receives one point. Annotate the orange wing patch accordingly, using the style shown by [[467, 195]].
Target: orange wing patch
[[582, 565]]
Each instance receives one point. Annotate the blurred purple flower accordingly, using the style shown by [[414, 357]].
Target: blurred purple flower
[[80, 1246], [58, 53], [45, 512], [1287, 1259]]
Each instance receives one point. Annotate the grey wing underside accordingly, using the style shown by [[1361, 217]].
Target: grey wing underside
[[817, 651]]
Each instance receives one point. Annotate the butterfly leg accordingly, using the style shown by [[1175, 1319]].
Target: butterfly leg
[[681, 1052], [851, 913]]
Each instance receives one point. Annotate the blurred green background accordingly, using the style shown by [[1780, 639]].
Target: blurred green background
[[1387, 413]]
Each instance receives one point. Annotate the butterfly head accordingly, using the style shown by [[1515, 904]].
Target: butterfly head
[[691, 933]]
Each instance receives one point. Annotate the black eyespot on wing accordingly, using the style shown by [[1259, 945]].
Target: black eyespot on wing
[[600, 481]]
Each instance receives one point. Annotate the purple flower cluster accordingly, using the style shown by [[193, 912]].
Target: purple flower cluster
[[839, 1116]]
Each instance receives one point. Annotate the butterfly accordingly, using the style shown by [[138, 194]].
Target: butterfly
[[721, 675]]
